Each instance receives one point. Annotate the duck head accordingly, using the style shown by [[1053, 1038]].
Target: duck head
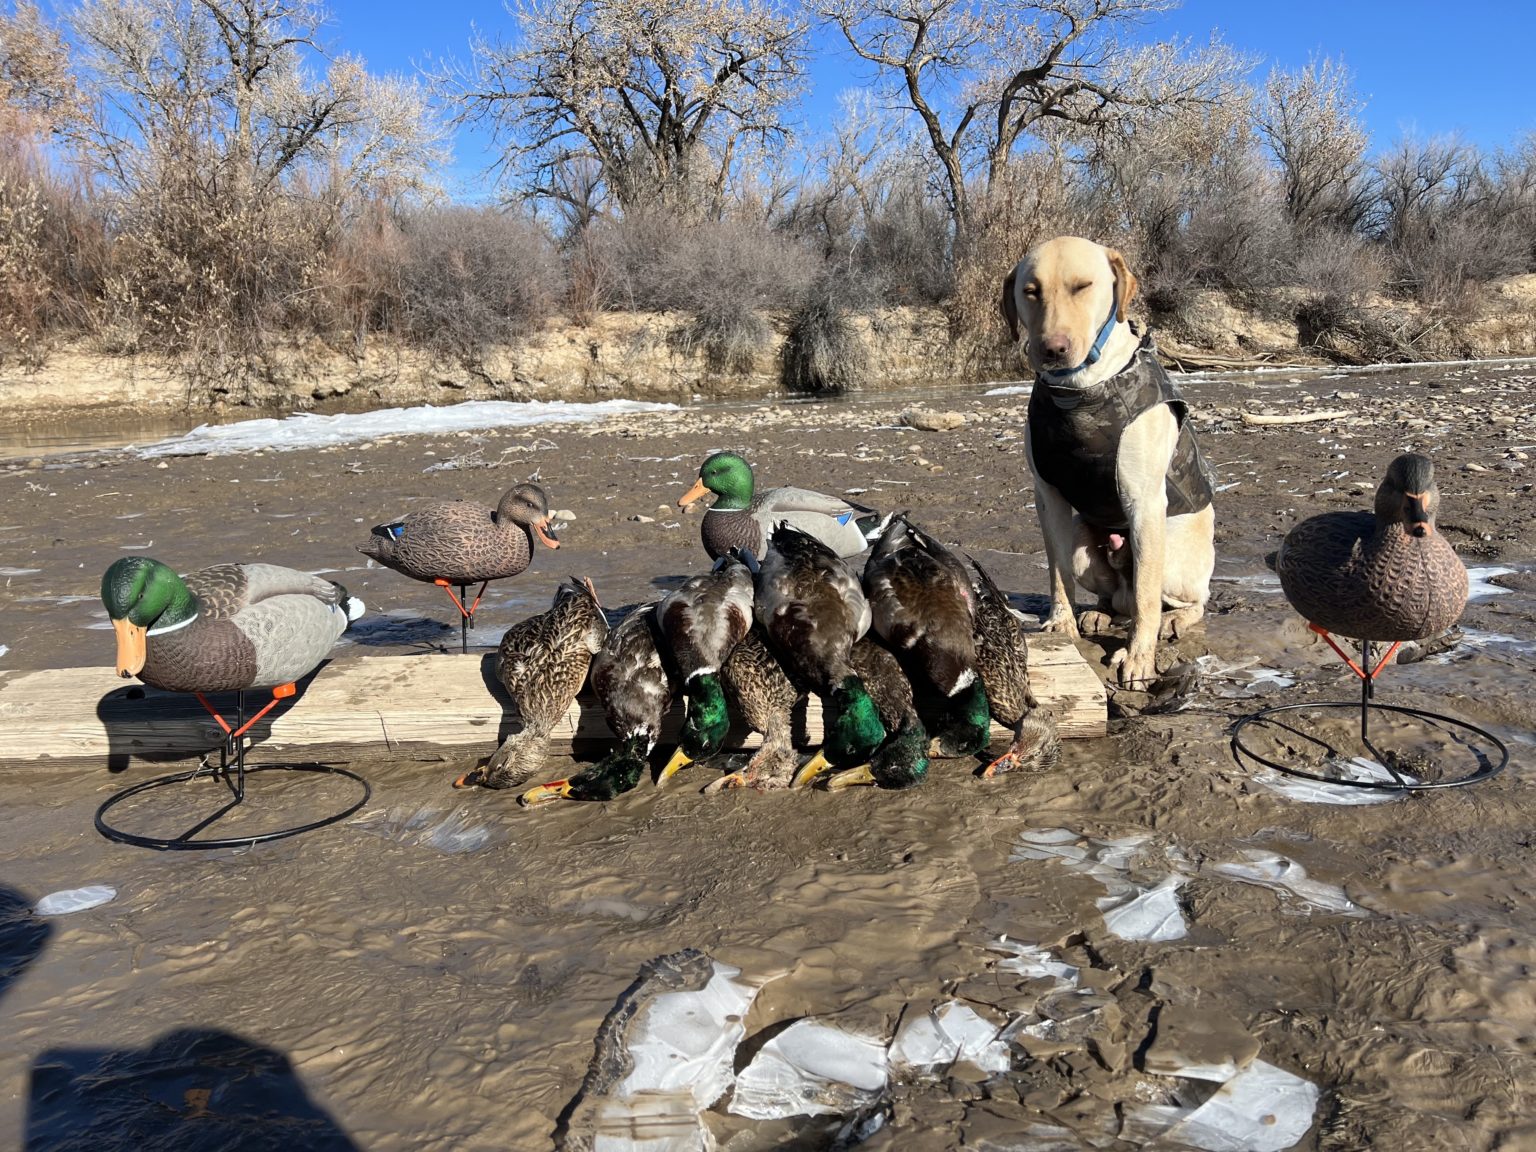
[[900, 762], [143, 597], [529, 506], [728, 476], [1409, 496]]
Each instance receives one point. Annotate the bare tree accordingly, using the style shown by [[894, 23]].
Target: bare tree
[[34, 68], [1311, 124], [984, 75], [659, 95]]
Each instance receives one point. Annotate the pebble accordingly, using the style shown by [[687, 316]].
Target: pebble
[[640, 519], [564, 514], [926, 421]]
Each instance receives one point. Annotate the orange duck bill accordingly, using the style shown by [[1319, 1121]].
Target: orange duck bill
[[697, 492], [540, 529], [131, 648]]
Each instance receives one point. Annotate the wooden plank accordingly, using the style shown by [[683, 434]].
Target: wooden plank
[[383, 707]]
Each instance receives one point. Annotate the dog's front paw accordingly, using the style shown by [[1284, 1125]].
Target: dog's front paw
[[1134, 667], [1061, 621], [1092, 622]]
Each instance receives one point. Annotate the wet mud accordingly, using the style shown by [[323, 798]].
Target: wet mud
[[434, 973]]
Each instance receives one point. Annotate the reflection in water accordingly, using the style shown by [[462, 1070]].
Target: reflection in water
[[192, 1090]]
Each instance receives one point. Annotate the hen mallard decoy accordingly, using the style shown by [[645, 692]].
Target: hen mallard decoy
[[924, 608], [634, 680], [742, 517], [702, 622], [761, 693], [542, 663], [812, 610], [460, 542], [1002, 659], [223, 628], [1382, 575], [901, 760]]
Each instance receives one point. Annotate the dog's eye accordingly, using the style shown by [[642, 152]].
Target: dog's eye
[[1031, 291], [1076, 288]]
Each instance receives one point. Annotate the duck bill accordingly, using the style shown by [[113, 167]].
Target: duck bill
[[697, 492], [539, 530], [679, 761], [554, 790], [1416, 517], [858, 777], [132, 648], [469, 779], [812, 768]]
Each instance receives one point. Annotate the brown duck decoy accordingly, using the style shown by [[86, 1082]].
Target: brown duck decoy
[[459, 542]]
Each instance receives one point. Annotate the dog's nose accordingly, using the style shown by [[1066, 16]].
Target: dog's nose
[[1056, 347]]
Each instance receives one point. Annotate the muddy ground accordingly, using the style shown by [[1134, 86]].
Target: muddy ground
[[381, 991]]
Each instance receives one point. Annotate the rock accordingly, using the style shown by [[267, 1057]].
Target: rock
[[564, 514], [35, 462], [926, 421], [639, 519]]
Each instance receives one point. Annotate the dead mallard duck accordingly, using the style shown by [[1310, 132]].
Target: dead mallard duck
[[1002, 659], [761, 693], [542, 663]]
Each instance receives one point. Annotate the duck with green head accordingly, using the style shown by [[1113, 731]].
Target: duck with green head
[[901, 760], [924, 608], [1002, 661], [702, 622], [744, 517], [634, 679], [812, 611], [761, 693], [223, 628]]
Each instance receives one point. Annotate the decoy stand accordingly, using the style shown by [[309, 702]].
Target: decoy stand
[[466, 615], [231, 771], [1486, 768]]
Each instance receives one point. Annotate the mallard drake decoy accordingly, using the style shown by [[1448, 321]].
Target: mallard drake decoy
[[761, 693], [634, 680], [702, 622], [742, 517], [542, 662], [1382, 575], [223, 628], [460, 542], [1002, 659], [901, 760], [923, 607], [812, 610]]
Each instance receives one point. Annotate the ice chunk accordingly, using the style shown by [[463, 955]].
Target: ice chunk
[[663, 1055], [1146, 914], [1261, 1109], [948, 1034], [811, 1069], [75, 900], [1034, 963], [1271, 870], [1480, 582], [453, 833], [1318, 792]]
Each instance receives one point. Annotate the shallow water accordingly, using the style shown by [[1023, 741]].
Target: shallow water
[[433, 972]]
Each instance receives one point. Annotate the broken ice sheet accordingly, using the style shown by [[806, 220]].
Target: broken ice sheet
[[1319, 792], [1146, 914], [951, 1033], [811, 1069], [1271, 870], [663, 1055], [1261, 1109], [1034, 962], [452, 832], [1131, 911]]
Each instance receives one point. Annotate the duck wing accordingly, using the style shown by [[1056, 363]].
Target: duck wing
[[226, 590], [707, 617], [1002, 657], [632, 679], [811, 607], [923, 604]]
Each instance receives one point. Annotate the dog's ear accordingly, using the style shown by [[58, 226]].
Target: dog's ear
[[1010, 306], [1125, 282]]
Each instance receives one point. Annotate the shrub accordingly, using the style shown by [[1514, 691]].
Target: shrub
[[823, 351]]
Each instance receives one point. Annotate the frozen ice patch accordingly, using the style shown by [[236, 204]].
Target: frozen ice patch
[[75, 900], [811, 1069], [8, 571], [1321, 792], [453, 833], [1245, 678], [951, 1033], [1034, 963], [1010, 390], [1145, 913], [1261, 1109], [1480, 582], [1281, 873], [307, 430], [1132, 911]]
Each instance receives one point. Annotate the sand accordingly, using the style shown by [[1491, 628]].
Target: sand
[[375, 990]]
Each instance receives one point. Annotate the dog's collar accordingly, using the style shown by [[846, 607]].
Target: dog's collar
[[1066, 374]]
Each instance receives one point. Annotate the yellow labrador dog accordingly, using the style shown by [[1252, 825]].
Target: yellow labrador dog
[[1123, 494]]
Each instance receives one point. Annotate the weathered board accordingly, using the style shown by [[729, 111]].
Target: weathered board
[[382, 707]]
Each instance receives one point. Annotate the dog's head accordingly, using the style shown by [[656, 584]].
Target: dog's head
[[1061, 296]]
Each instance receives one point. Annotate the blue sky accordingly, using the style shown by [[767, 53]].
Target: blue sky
[[1424, 68]]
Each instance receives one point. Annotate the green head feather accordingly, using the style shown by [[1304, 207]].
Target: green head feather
[[902, 761], [729, 477], [708, 718], [852, 723], [615, 774], [967, 721], [146, 592]]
